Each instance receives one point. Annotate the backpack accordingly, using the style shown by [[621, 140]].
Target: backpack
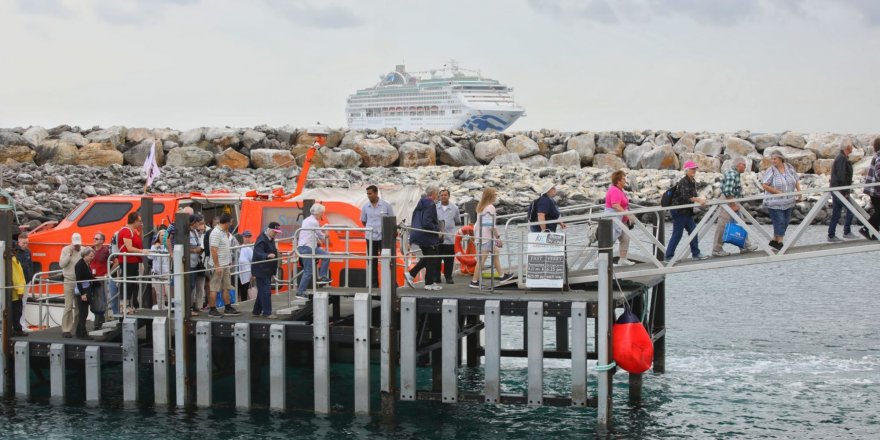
[[668, 195], [114, 243], [207, 261]]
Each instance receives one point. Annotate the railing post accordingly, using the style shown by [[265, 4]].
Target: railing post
[[147, 232], [658, 307], [389, 319], [181, 323], [606, 315], [6, 376]]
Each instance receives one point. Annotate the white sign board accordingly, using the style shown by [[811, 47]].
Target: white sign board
[[545, 266]]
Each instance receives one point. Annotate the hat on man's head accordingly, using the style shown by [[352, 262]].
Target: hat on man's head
[[690, 164], [247, 234], [75, 238], [275, 226], [546, 186]]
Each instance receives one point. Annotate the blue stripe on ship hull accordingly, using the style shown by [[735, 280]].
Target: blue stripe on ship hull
[[485, 123]]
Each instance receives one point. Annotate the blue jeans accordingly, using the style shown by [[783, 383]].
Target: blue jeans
[[836, 206], [780, 219], [323, 267], [680, 223], [263, 303], [114, 296]]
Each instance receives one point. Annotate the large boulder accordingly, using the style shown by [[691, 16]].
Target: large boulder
[[505, 159], [18, 153], [166, 135], [137, 155], [707, 164], [415, 154], [709, 147], [827, 147], [736, 147], [99, 155], [12, 138], [608, 161], [685, 144], [340, 158], [801, 160], [376, 152], [458, 157], [189, 157], [823, 166], [138, 135], [523, 146], [633, 154], [569, 159], [351, 139], [252, 137], [299, 153], [585, 145], [861, 167], [265, 158], [486, 151], [56, 151], [115, 135], [35, 135], [659, 158], [608, 143], [334, 138], [792, 139], [764, 141], [74, 138], [286, 134], [232, 159], [538, 161], [223, 137], [192, 137]]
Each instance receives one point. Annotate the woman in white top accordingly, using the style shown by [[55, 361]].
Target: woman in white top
[[487, 237], [160, 267]]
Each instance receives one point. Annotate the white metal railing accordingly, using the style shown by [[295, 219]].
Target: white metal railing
[[346, 255]]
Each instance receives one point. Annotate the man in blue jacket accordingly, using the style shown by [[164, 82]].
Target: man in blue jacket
[[426, 236], [264, 265]]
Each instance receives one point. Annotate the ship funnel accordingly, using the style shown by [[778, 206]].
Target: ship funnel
[[400, 68]]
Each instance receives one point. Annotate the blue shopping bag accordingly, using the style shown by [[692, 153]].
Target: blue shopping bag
[[735, 235]]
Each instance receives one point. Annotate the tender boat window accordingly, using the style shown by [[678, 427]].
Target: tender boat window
[[105, 213], [76, 212]]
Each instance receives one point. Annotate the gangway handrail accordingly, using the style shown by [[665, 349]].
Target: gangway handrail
[[345, 256]]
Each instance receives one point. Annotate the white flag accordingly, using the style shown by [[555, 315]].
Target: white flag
[[151, 168]]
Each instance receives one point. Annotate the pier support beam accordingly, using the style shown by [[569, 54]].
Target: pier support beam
[[6, 377], [450, 350], [606, 315], [182, 306], [321, 336], [562, 333], [535, 320], [204, 365], [579, 354], [362, 312], [23, 370], [57, 373], [161, 384], [658, 307], [408, 332], [277, 367], [242, 334], [130, 361], [389, 324], [93, 375], [472, 346], [492, 387]]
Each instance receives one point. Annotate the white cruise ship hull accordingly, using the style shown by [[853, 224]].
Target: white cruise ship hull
[[473, 120]]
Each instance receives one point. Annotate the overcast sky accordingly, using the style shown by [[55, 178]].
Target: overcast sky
[[716, 65]]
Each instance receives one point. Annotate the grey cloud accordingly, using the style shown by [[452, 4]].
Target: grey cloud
[[869, 10], [134, 12], [52, 8], [316, 14]]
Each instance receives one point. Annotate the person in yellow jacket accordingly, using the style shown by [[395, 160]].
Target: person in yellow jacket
[[19, 285]]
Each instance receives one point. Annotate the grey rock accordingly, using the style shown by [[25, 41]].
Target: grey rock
[[685, 144], [792, 139], [538, 161], [522, 146], [505, 160], [286, 134], [376, 152], [737, 147], [35, 135], [584, 145], [764, 141], [56, 151], [660, 158], [251, 137], [707, 164], [633, 153], [74, 138], [114, 135], [192, 137], [89, 191], [608, 161], [487, 151], [189, 157], [414, 154], [265, 158], [458, 157], [12, 138], [802, 160], [709, 147], [137, 154], [138, 135], [608, 143], [18, 153], [569, 159], [341, 158]]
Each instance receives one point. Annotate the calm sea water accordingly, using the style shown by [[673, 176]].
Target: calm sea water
[[785, 350]]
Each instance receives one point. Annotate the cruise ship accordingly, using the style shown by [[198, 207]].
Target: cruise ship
[[442, 99]]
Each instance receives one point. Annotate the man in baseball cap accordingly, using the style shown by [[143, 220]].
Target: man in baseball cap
[[683, 219], [265, 264]]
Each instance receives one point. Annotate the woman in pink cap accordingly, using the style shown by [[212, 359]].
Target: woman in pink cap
[[683, 219]]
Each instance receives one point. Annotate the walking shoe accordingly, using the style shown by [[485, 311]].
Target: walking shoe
[[865, 233], [409, 279], [433, 287], [849, 236], [507, 277], [775, 244], [449, 281], [66, 335], [474, 284], [721, 253], [833, 239], [214, 313], [301, 295], [229, 310], [749, 248], [324, 280], [624, 262], [271, 316], [699, 257]]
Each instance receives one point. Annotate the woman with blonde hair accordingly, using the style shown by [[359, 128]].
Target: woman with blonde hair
[[487, 237]]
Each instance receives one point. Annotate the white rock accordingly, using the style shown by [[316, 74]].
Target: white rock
[[487, 151], [523, 146], [585, 145]]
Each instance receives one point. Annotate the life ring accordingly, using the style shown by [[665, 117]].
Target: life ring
[[465, 253]]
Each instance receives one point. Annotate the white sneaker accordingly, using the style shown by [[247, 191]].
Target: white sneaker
[[749, 248], [624, 262], [409, 279], [433, 287], [721, 253]]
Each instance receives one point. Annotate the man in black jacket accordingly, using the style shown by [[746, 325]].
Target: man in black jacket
[[841, 175], [426, 235], [23, 255], [264, 265]]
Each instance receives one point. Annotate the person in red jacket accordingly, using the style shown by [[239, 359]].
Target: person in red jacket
[[129, 241]]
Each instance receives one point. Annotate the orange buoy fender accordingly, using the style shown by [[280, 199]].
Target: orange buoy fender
[[633, 348], [465, 256]]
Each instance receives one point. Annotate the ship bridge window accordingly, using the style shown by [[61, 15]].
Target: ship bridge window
[[105, 213], [76, 212]]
